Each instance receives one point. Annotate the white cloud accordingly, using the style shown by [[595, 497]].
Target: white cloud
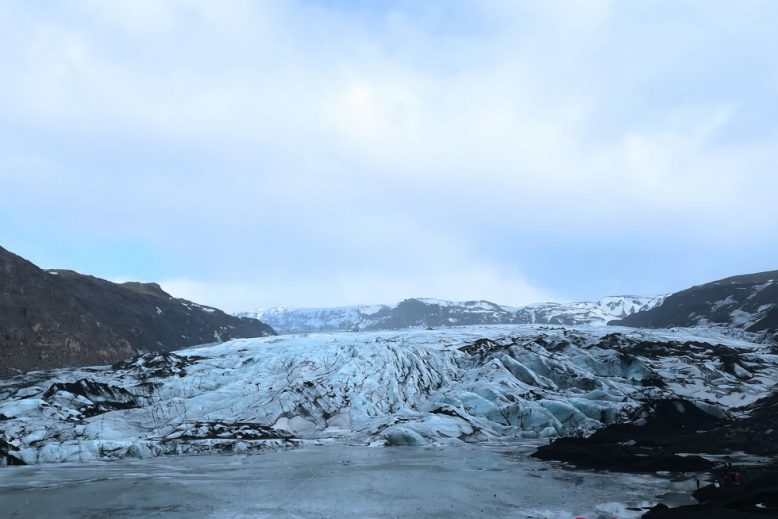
[[360, 287], [302, 133]]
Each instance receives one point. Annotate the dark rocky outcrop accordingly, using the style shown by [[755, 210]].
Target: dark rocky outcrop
[[666, 427], [749, 302], [755, 495], [219, 430], [649, 443], [60, 318], [672, 435], [93, 398], [156, 365]]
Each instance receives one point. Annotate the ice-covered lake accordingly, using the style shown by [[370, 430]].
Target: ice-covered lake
[[332, 481]]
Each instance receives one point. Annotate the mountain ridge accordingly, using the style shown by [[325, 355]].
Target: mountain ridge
[[747, 301], [429, 312], [58, 318]]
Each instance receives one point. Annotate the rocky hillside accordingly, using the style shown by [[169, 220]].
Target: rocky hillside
[[61, 318], [436, 313], [749, 302]]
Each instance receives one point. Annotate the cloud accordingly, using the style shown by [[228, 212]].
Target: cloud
[[322, 152], [366, 286]]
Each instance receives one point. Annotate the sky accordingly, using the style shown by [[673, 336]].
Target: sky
[[247, 154]]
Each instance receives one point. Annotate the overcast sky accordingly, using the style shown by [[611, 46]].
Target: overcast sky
[[325, 152]]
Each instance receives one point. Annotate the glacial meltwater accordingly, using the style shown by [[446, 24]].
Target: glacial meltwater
[[333, 481]]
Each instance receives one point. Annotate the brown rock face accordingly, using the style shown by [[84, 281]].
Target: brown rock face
[[52, 319]]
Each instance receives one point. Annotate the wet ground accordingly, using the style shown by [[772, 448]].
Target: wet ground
[[333, 481]]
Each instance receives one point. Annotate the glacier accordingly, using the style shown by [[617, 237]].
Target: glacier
[[462, 385]]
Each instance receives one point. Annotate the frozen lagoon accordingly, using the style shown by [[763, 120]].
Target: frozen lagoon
[[333, 481]]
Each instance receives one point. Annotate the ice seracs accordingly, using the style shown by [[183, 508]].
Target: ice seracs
[[467, 384]]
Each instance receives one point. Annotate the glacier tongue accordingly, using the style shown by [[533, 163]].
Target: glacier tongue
[[413, 387]]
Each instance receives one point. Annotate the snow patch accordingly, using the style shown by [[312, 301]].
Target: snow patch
[[740, 317], [729, 301]]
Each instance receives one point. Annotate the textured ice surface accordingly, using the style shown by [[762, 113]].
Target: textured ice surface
[[332, 481], [493, 384]]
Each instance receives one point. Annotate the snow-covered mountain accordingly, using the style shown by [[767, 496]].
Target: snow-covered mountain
[[587, 313], [749, 302], [411, 387], [435, 313]]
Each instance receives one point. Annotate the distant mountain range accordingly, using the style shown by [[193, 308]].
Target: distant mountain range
[[436, 313], [59, 318], [749, 302]]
